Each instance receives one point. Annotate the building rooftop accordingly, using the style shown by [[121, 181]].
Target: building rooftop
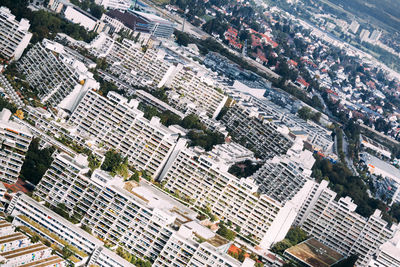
[[52, 215], [155, 199], [314, 253], [127, 18], [151, 17], [50, 261]]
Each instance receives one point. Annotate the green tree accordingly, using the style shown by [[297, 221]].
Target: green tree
[[281, 246], [115, 163], [305, 113], [36, 163], [225, 232], [35, 238]]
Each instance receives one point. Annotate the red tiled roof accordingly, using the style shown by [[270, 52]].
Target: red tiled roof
[[18, 186]]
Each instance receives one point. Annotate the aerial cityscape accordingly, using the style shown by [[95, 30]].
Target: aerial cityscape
[[226, 133]]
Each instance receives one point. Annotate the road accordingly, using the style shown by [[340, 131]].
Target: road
[[349, 161]]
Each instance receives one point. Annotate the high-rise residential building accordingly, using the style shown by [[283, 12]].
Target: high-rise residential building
[[63, 182], [283, 176], [354, 26], [136, 215], [48, 224], [203, 180], [315, 137], [15, 139], [375, 35], [388, 254], [338, 225], [196, 245], [116, 123], [130, 63], [14, 34], [104, 257], [388, 187], [57, 74], [202, 92], [364, 35], [247, 126]]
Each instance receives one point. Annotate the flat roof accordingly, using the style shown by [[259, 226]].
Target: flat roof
[[314, 253], [50, 261], [155, 198], [12, 237], [151, 17], [23, 251]]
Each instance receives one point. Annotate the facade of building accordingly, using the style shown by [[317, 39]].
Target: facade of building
[[56, 74], [337, 225], [117, 124], [15, 35], [199, 91], [28, 212], [136, 215], [388, 254], [204, 181], [16, 249], [283, 176], [261, 135], [130, 63], [78, 16], [388, 186], [15, 140], [64, 181]]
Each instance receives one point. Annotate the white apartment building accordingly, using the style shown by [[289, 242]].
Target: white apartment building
[[130, 62], [64, 181], [115, 123], [30, 213], [262, 136], [388, 254], [138, 216], [16, 249], [197, 89], [204, 181], [14, 34], [86, 20], [337, 225], [15, 140], [103, 257], [317, 137], [283, 176], [184, 248], [54, 71]]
